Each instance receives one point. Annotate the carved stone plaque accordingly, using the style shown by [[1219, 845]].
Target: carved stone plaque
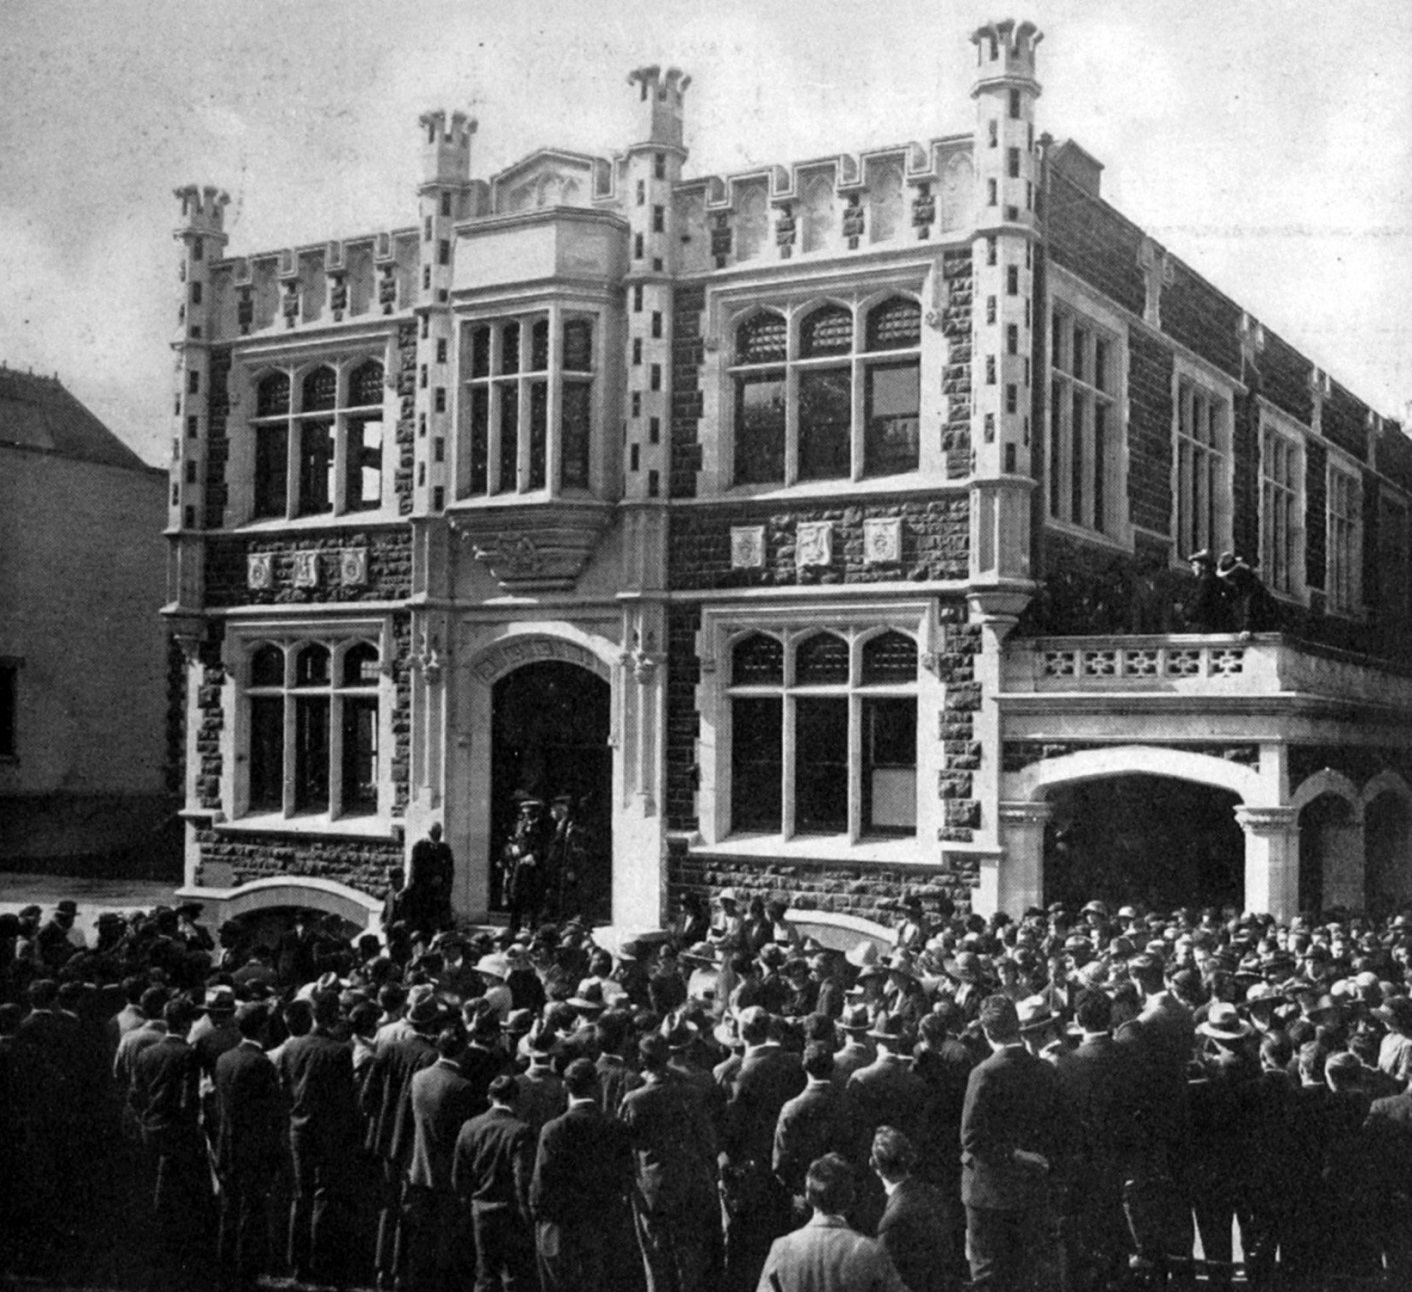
[[260, 571], [882, 540], [747, 547], [306, 569], [813, 543], [353, 567]]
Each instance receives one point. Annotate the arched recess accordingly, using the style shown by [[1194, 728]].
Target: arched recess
[[1036, 780], [1387, 826], [285, 892], [1328, 781], [510, 653]]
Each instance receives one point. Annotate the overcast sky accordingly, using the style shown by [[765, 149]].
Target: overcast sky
[[1266, 142]]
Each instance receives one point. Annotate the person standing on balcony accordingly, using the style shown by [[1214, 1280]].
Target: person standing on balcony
[[1209, 609], [1252, 608]]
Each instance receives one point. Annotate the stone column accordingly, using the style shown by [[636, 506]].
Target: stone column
[[1021, 875], [1271, 859]]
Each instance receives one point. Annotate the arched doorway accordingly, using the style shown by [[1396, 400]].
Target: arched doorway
[[1389, 872], [1152, 839], [1327, 847], [549, 731]]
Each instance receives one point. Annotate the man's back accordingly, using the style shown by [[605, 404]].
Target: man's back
[[914, 1233], [317, 1070], [164, 1086], [250, 1111], [768, 1078], [888, 1093], [818, 1120], [583, 1155], [673, 1145], [442, 1102], [1013, 1101], [827, 1256], [494, 1158]]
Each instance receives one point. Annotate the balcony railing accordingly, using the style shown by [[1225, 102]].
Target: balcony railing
[[1225, 664]]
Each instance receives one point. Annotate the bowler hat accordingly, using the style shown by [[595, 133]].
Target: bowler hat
[[1224, 1023]]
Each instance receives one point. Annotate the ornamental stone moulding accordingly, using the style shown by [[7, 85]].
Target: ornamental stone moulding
[[882, 540], [813, 543], [747, 547], [306, 569], [260, 571], [353, 567]]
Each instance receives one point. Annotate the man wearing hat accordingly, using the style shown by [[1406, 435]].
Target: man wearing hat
[[196, 937], [1013, 1135], [522, 863], [756, 1207], [887, 1092], [542, 1096], [57, 939], [249, 1146], [820, 1119], [676, 1210], [1209, 608], [857, 1050]]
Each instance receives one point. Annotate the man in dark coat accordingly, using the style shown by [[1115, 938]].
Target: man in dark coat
[[426, 900], [1208, 610], [294, 952], [582, 1155], [675, 1207], [818, 1120], [317, 1070], [1012, 1130], [165, 1098], [386, 1101], [249, 1146], [915, 1230], [757, 1208], [442, 1102], [492, 1169]]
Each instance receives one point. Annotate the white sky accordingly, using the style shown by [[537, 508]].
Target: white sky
[[1266, 142]]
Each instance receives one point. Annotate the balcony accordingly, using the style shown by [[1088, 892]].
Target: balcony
[[1183, 665]]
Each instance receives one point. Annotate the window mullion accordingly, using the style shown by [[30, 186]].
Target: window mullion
[[291, 749], [338, 495], [856, 770], [787, 813], [293, 446], [857, 437], [335, 756], [554, 401], [523, 432], [791, 424]]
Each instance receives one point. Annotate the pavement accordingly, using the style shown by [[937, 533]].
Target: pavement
[[92, 895]]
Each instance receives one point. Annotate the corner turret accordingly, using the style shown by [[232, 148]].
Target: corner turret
[[660, 104], [446, 150]]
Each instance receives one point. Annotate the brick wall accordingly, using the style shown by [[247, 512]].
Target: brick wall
[[687, 355], [1245, 489], [867, 891], [401, 713], [389, 567], [1150, 432], [217, 437], [176, 717], [1201, 318], [359, 863], [1090, 239], [957, 269], [1284, 378], [1088, 588], [406, 432], [1344, 422], [683, 721], [935, 543]]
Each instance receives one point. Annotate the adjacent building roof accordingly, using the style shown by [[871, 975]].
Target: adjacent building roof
[[37, 413]]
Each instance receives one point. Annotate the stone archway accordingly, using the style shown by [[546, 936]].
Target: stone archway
[[1271, 852], [1387, 817]]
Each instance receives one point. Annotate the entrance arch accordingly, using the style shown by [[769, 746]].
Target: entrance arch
[[1269, 854], [549, 736], [1388, 840]]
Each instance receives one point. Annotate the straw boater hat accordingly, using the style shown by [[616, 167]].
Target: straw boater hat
[[590, 999], [1034, 1014], [701, 953]]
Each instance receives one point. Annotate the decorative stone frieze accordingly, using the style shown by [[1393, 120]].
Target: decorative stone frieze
[[353, 567], [306, 570]]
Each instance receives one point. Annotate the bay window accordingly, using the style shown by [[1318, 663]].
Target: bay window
[[527, 415]]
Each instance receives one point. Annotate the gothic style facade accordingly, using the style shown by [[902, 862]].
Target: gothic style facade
[[820, 530]]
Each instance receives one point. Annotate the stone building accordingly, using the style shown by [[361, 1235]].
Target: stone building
[[819, 529], [85, 762]]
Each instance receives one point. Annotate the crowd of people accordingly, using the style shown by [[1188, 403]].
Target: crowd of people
[[1065, 1099]]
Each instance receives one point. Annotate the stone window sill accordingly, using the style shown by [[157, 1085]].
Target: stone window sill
[[351, 827], [818, 847]]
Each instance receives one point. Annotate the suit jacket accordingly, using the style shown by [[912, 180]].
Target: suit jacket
[[582, 1155], [1100, 1084], [294, 956], [542, 1097], [915, 1234], [250, 1114], [768, 1077], [1013, 1101], [386, 1097], [493, 1163], [818, 1120], [827, 1256], [888, 1093], [318, 1072], [442, 1102], [164, 1096], [673, 1145]]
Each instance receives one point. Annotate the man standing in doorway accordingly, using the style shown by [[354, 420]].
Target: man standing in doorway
[[427, 896]]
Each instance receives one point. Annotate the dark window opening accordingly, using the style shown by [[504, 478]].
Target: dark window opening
[[821, 766], [758, 660], [757, 763], [825, 421], [889, 766]]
